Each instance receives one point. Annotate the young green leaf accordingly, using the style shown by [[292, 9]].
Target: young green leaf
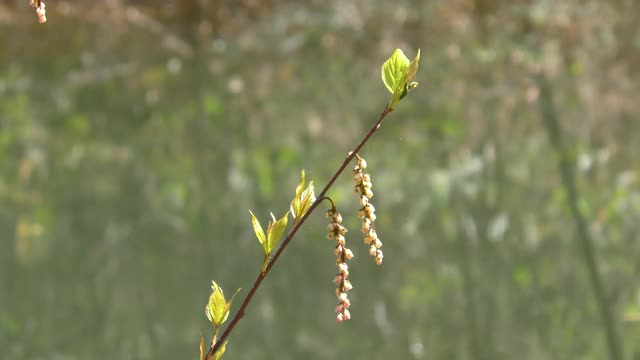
[[397, 72], [257, 228], [275, 230], [217, 309], [303, 199], [220, 352], [413, 68]]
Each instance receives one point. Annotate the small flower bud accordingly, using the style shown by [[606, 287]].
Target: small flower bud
[[348, 254], [343, 267], [368, 193], [337, 280], [369, 209], [347, 314], [346, 303], [366, 225], [372, 250], [340, 239], [364, 200], [337, 218], [362, 163], [347, 285], [340, 318]]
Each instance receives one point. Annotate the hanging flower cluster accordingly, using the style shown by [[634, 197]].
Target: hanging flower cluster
[[367, 212], [335, 231], [40, 11]]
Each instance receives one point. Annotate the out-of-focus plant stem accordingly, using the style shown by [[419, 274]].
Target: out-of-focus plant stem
[[550, 118]]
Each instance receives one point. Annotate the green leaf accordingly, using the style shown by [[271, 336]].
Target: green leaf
[[220, 352], [303, 199], [413, 68], [394, 71], [397, 74], [257, 228], [275, 231], [217, 309], [233, 297]]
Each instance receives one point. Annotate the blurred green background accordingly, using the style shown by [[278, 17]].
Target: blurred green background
[[135, 135]]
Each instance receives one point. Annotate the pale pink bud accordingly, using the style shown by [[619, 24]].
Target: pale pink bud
[[331, 227], [340, 239], [372, 217], [347, 285], [347, 314], [346, 303], [337, 280], [366, 177], [341, 229], [357, 178], [362, 163], [368, 239], [340, 318], [338, 250], [342, 296], [377, 243], [42, 16], [339, 308], [378, 260], [373, 250]]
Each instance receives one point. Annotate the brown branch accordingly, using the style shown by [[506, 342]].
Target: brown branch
[[319, 198]]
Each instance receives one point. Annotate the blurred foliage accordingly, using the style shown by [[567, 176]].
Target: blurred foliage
[[134, 136]]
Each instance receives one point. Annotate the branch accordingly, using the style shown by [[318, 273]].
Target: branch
[[319, 198]]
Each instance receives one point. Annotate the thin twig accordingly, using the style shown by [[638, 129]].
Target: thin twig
[[548, 113], [319, 198]]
